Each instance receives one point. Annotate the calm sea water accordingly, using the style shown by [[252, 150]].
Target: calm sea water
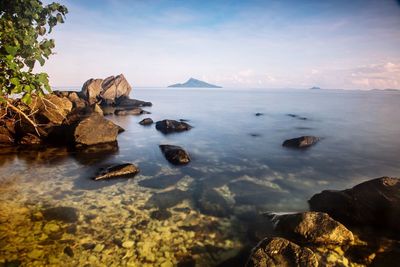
[[238, 166]]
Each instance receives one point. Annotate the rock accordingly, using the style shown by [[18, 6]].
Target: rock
[[296, 116], [162, 182], [372, 203], [124, 101], [68, 251], [65, 214], [167, 199], [211, 202], [50, 108], [30, 139], [6, 137], [160, 215], [175, 154], [106, 91], [259, 114], [114, 88], [128, 244], [117, 171], [77, 101], [170, 126], [91, 90], [134, 111], [35, 254], [95, 129], [97, 109], [146, 121], [312, 227], [301, 142], [280, 252]]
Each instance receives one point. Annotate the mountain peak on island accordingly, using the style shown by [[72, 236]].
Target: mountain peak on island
[[315, 88], [194, 83]]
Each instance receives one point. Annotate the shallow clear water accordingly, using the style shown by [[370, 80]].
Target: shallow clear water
[[238, 167]]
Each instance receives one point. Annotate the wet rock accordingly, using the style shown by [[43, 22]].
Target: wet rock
[[167, 199], [312, 227], [134, 111], [6, 137], [211, 202], [301, 142], [95, 129], [65, 214], [170, 126], [175, 154], [281, 252], [250, 193], [132, 103], [88, 246], [146, 121], [161, 182], [372, 203], [117, 171], [30, 139], [160, 215]]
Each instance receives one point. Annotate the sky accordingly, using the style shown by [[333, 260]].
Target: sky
[[335, 44]]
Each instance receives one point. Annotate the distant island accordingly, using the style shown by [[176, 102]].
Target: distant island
[[194, 83], [386, 90], [315, 88]]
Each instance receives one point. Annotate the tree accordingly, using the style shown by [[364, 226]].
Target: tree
[[24, 25]]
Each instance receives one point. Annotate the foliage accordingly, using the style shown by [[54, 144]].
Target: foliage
[[24, 25]]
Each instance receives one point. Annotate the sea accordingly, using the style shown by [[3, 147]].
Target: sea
[[200, 214]]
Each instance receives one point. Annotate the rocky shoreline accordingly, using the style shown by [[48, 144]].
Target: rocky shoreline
[[354, 227]]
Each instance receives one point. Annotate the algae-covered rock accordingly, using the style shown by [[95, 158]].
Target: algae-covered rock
[[65, 214], [117, 171], [281, 252]]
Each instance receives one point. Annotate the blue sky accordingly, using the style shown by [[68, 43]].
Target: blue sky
[[246, 44]]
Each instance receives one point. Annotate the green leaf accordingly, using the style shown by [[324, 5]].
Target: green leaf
[[12, 50], [14, 81], [27, 99]]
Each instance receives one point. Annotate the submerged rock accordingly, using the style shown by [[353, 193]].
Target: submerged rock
[[161, 182], [170, 126], [301, 142], [281, 252], [373, 203], [134, 111], [146, 121], [175, 154], [117, 171], [161, 214], [167, 199], [95, 129], [312, 227], [65, 214], [211, 202]]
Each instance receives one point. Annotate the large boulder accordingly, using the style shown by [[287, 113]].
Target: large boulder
[[373, 203], [146, 121], [312, 227], [106, 91], [91, 90], [175, 154], [51, 108], [74, 97], [281, 252], [170, 126], [301, 142], [95, 129], [114, 88]]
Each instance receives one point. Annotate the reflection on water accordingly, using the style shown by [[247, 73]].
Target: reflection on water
[[199, 213]]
